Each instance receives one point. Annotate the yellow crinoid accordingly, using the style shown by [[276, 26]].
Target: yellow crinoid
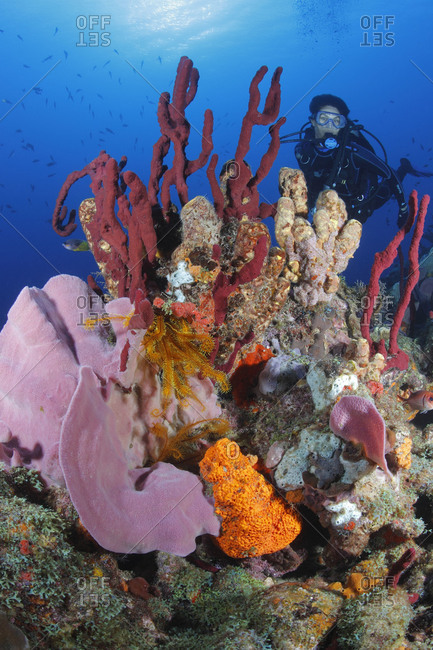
[[182, 445], [173, 345]]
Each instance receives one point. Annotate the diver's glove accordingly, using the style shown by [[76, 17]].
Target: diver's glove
[[402, 215]]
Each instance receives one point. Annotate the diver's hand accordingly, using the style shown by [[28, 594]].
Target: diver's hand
[[402, 215]]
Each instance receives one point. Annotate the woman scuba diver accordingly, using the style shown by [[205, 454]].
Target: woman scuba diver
[[334, 154]]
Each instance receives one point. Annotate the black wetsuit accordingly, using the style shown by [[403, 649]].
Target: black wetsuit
[[361, 178]]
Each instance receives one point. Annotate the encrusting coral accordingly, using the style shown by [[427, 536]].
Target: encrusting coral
[[255, 520]]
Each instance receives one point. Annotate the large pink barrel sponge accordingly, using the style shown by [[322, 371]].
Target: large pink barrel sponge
[[357, 419], [68, 409]]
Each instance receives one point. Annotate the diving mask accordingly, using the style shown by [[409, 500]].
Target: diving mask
[[325, 117]]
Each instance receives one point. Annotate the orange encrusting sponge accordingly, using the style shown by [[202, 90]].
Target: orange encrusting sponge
[[255, 520]]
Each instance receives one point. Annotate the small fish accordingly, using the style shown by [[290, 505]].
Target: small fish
[[47, 58], [420, 400], [55, 31], [76, 245]]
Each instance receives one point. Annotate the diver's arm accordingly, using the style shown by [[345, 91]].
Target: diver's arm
[[390, 184], [392, 187], [398, 192]]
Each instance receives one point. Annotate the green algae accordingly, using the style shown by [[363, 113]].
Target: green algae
[[56, 595], [210, 608], [377, 619]]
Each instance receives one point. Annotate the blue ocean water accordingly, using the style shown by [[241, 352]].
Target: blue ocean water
[[78, 78]]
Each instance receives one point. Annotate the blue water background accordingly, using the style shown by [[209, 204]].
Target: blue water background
[[65, 83]]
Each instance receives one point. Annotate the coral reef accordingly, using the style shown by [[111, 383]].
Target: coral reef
[[216, 446]]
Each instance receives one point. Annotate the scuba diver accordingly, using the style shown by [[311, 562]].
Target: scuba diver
[[333, 153]]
